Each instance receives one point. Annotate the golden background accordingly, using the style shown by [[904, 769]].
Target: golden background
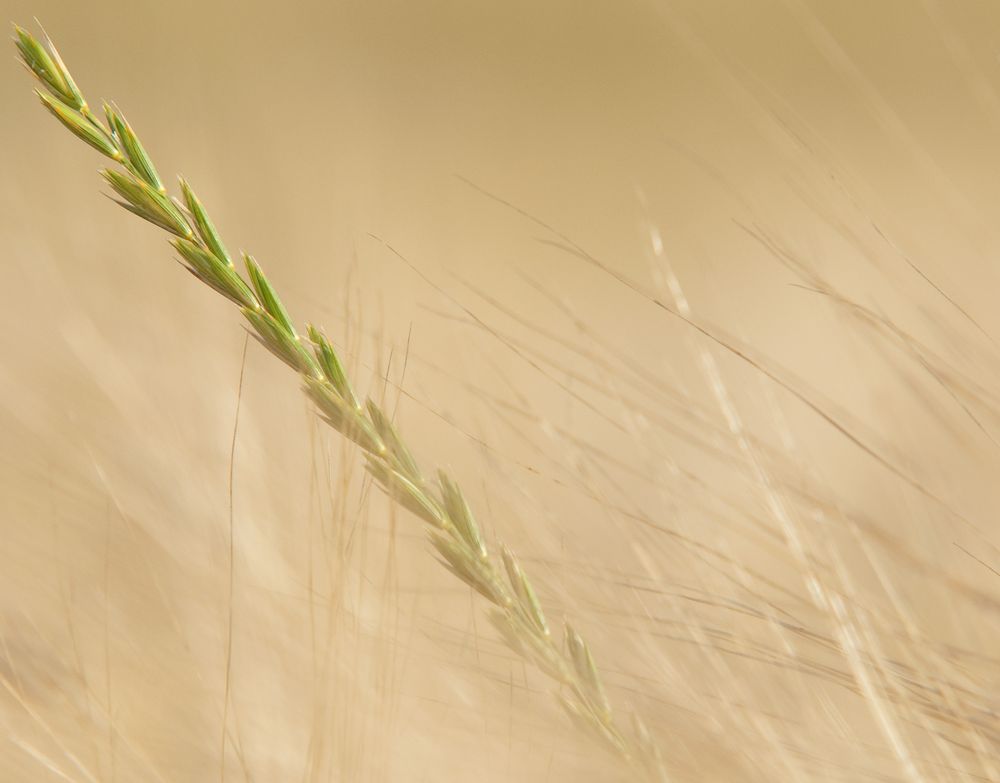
[[774, 518]]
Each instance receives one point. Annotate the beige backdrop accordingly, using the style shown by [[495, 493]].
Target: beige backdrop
[[696, 299]]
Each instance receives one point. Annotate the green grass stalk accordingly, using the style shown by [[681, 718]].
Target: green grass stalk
[[439, 502]]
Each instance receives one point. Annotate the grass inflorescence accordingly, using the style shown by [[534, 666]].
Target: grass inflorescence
[[516, 610]]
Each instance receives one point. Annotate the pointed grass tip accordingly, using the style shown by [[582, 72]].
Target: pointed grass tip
[[45, 63]]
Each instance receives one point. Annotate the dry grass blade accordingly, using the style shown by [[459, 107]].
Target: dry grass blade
[[453, 531]]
